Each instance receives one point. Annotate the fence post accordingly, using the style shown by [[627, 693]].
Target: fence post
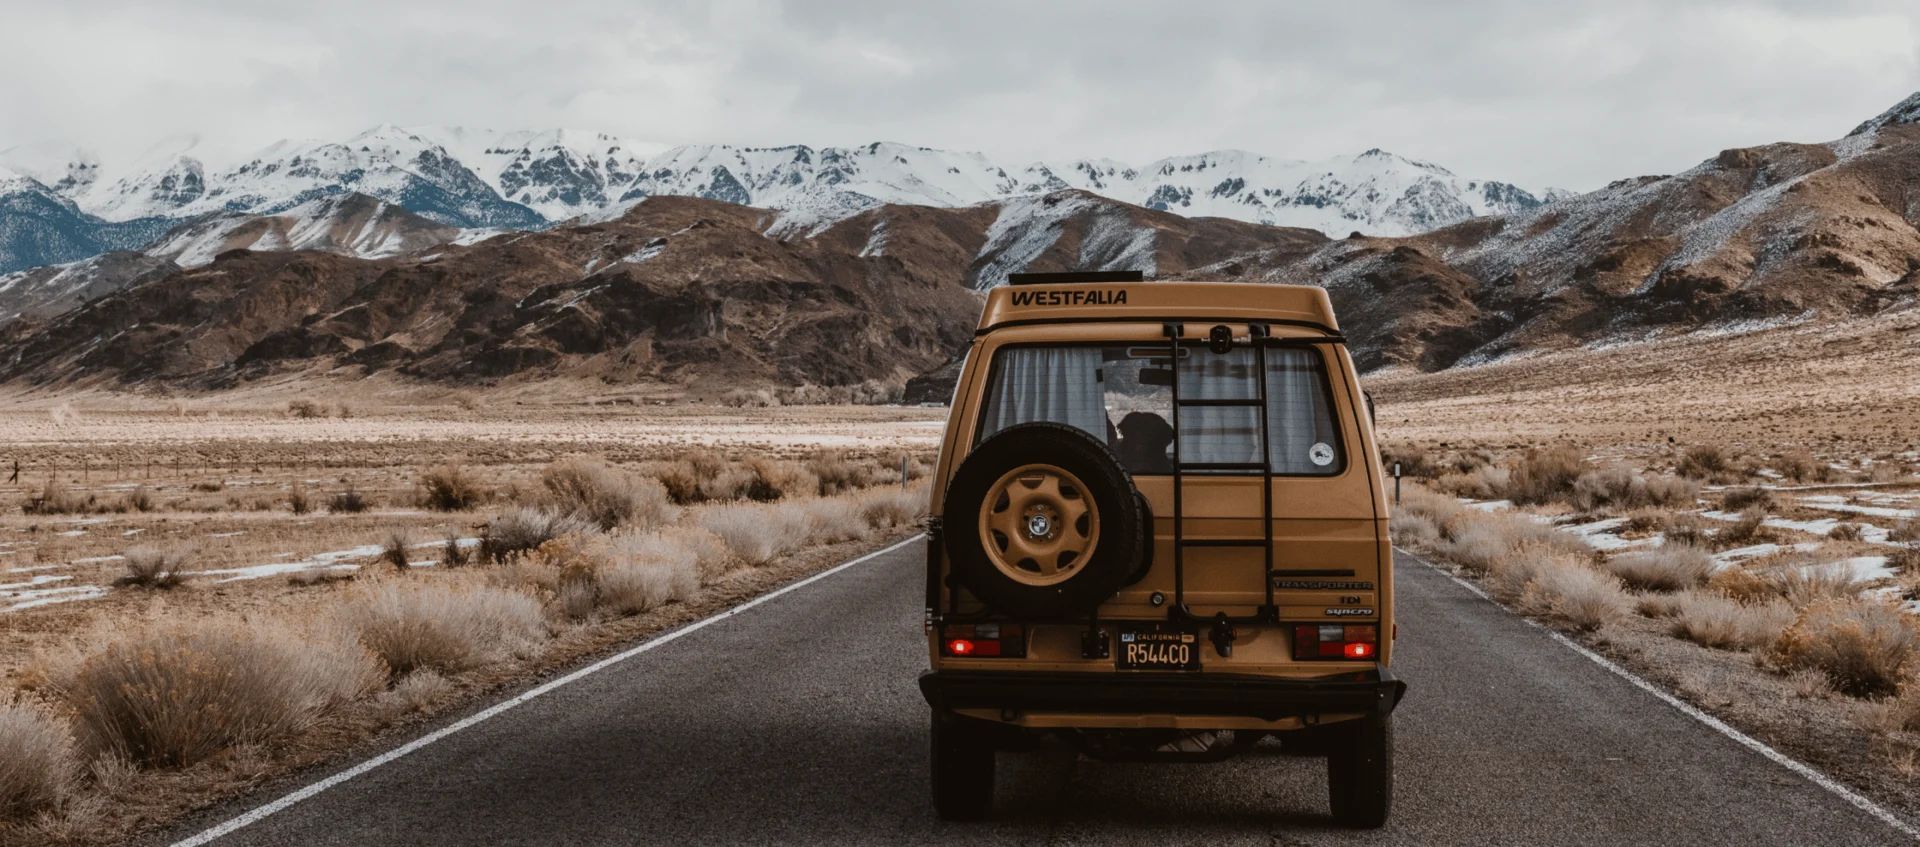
[[903, 471], [1396, 483]]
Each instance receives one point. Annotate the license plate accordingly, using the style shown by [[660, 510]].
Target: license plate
[[1157, 647]]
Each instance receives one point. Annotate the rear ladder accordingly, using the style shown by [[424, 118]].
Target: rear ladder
[[1267, 613]]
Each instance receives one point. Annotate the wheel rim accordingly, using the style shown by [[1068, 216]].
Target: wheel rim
[[1038, 525]]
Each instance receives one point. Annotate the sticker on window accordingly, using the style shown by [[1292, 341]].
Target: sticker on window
[[1320, 454]]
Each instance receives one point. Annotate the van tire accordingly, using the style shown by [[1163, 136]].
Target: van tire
[[1360, 771], [962, 767], [1116, 558]]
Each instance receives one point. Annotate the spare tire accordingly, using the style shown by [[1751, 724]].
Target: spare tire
[[1042, 523]]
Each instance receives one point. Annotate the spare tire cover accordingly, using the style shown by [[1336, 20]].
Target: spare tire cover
[[1043, 523]]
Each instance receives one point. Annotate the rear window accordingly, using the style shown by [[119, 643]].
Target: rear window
[[1123, 395]]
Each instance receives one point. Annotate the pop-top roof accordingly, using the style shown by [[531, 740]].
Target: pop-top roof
[[1234, 302]]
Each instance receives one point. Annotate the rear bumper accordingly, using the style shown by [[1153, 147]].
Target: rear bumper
[[1221, 695]]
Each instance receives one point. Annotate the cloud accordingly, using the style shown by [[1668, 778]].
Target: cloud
[[1570, 94]]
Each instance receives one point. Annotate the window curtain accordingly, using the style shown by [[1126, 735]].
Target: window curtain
[[1218, 433], [1059, 384], [1297, 408]]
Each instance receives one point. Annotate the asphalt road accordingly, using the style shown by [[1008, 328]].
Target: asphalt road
[[799, 722]]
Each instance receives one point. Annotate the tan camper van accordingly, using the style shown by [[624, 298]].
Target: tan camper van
[[1160, 534]]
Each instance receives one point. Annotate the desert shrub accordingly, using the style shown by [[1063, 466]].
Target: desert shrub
[[755, 534], [452, 488], [1907, 530], [523, 528], [307, 407], [711, 556], [1744, 586], [348, 502], [1619, 488], [394, 550], [1413, 458], [602, 494], [1687, 528], [1753, 496], [1439, 508], [830, 520], [37, 763], [885, 508], [445, 628], [773, 479], [869, 393], [1865, 647], [1485, 542], [415, 692], [1572, 595], [1809, 584], [180, 694], [1845, 532], [1749, 528], [645, 571], [1705, 462], [1543, 476], [1797, 465], [839, 474], [137, 500], [1905, 560], [695, 476], [1658, 605], [297, 500], [1663, 568], [1645, 521], [1712, 620], [750, 398], [55, 498], [1412, 529], [452, 554], [155, 567], [1485, 482]]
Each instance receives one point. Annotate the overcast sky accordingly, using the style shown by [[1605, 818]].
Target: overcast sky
[[1569, 94]]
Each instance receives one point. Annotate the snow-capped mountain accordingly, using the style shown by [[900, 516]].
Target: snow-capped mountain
[[528, 180], [39, 226], [349, 224]]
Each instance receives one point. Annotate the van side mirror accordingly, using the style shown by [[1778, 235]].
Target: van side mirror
[[1372, 416]]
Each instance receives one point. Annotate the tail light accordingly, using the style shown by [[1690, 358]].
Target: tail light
[[1335, 641], [984, 641]]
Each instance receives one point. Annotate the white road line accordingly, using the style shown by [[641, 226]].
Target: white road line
[[261, 813], [1688, 709]]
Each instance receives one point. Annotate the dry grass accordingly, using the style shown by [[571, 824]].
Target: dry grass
[[1744, 586], [1865, 647], [57, 499], [348, 502], [1712, 620], [1706, 462], [1806, 585], [595, 491], [155, 567], [1667, 568], [394, 550], [445, 628], [1618, 488], [1688, 529], [452, 554], [297, 500], [37, 763], [756, 534], [1845, 532], [1568, 593], [645, 572], [774, 479], [451, 487], [522, 529], [839, 474], [184, 692], [416, 692], [1907, 531], [1797, 465], [1739, 499], [1413, 529], [1488, 542], [885, 508], [307, 407], [1749, 529]]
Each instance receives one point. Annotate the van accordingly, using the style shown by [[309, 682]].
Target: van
[[1160, 534]]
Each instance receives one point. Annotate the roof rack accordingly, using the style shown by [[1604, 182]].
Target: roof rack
[[1075, 276]]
